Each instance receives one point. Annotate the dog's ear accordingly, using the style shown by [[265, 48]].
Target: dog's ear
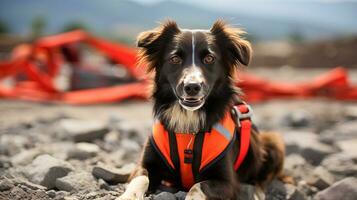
[[230, 39], [152, 43]]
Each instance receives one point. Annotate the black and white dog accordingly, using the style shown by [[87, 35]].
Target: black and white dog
[[194, 73]]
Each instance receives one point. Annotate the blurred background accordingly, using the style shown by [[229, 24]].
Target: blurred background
[[95, 146], [305, 33]]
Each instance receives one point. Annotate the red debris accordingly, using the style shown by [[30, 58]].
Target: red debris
[[34, 68]]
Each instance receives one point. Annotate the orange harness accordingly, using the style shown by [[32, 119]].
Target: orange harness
[[191, 154]]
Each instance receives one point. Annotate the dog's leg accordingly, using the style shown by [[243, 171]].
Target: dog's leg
[[137, 187], [210, 190]]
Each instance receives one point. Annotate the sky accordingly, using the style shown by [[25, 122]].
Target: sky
[[232, 5]]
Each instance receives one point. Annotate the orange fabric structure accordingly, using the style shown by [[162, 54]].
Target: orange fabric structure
[[38, 64], [33, 68], [179, 150]]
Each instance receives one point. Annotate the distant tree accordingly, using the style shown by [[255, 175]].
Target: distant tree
[[4, 28], [75, 25], [38, 26], [296, 37]]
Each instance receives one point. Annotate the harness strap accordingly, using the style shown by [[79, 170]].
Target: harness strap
[[243, 114]]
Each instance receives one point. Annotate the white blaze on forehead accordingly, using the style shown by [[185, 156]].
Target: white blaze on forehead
[[193, 49]]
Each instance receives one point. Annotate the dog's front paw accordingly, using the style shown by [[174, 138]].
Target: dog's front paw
[[136, 189], [131, 196], [196, 193]]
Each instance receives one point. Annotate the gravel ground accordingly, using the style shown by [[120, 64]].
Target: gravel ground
[[54, 151]]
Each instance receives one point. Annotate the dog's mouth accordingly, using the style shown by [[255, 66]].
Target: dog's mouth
[[191, 104]]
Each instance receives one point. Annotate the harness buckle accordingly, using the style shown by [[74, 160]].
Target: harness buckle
[[239, 116]]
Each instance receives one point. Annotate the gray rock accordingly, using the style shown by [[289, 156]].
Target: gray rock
[[297, 119], [275, 191], [45, 169], [130, 145], [83, 150], [348, 146], [307, 145], [180, 195], [5, 184], [341, 164], [27, 184], [321, 178], [278, 190], [12, 144], [345, 189], [292, 193], [51, 193], [164, 196], [342, 131], [76, 182], [111, 141], [246, 191], [25, 157], [81, 130], [113, 175], [294, 160], [131, 149]]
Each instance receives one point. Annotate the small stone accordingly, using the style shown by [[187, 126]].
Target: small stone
[[292, 193], [297, 119], [25, 157], [246, 191], [76, 182], [164, 196], [83, 151], [342, 131], [103, 185], [180, 195], [321, 178], [51, 193], [5, 184], [341, 164], [345, 189], [113, 175], [307, 145], [81, 130], [348, 146], [277, 190], [12, 144], [130, 145], [294, 160], [45, 169]]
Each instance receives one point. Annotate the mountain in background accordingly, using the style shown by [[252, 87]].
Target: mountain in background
[[266, 21]]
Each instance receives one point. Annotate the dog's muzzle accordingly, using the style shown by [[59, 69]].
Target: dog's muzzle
[[192, 95]]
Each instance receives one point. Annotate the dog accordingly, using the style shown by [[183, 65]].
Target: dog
[[194, 73]]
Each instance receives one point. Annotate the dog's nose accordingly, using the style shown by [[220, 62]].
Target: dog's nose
[[192, 89]]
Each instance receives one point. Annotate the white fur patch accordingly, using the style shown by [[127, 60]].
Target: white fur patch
[[184, 121], [192, 75], [193, 49], [136, 189], [196, 193], [259, 194]]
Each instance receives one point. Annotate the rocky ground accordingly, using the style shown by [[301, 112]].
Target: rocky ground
[[63, 152]]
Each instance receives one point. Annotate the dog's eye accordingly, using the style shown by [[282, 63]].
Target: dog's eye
[[176, 60], [208, 59]]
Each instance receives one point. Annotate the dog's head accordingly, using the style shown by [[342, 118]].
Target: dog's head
[[190, 64]]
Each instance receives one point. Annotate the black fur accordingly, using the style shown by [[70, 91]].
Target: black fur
[[220, 181]]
